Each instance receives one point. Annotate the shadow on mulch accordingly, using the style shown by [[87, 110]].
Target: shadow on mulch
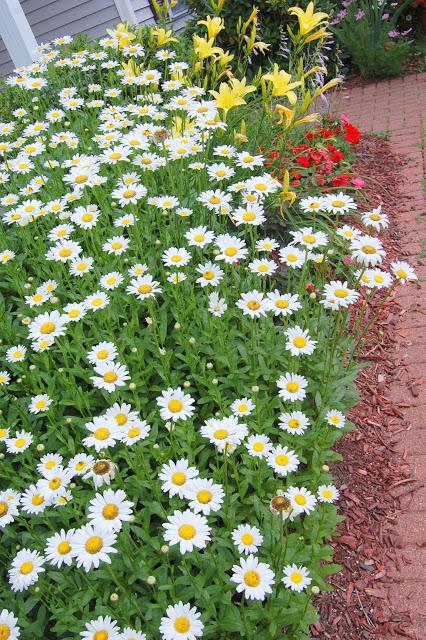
[[372, 477]]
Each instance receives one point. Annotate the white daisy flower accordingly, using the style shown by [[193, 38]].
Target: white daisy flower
[[93, 546], [267, 244], [296, 577], [111, 280], [116, 245], [242, 407], [292, 256], [282, 460], [97, 301], [8, 510], [309, 239], [175, 257], [25, 569], [282, 304], [258, 446], [210, 274], [103, 628], [347, 232], [39, 403], [59, 548], [375, 219], [110, 375], [105, 433], [263, 267], [299, 341], [143, 287], [187, 529], [339, 292], [335, 418], [204, 496], [175, 405], [102, 352], [252, 577], [48, 462], [327, 493], [47, 324], [252, 214], [19, 442], [33, 501], [339, 203], [181, 622], [367, 250], [294, 423], [8, 625], [110, 509], [217, 305], [403, 271], [199, 236], [302, 500], [247, 539], [79, 464], [175, 477], [312, 203], [292, 387], [253, 304], [16, 353]]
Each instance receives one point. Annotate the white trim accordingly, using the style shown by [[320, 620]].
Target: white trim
[[125, 11], [17, 34]]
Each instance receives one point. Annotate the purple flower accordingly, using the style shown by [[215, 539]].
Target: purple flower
[[406, 32], [393, 34], [385, 16], [359, 15]]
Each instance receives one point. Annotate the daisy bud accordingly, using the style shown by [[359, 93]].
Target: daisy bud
[[216, 252], [315, 590], [155, 445], [126, 260], [32, 367], [325, 467], [54, 299], [36, 108], [124, 324], [192, 340], [312, 295], [60, 370], [157, 242], [177, 325], [169, 426], [186, 384], [30, 278], [209, 365], [26, 321], [27, 285], [164, 548], [36, 589], [40, 447], [215, 381], [148, 320], [162, 352], [72, 485], [18, 380], [68, 420], [330, 252], [1, 456], [151, 580], [132, 386], [134, 349], [255, 388], [114, 597]]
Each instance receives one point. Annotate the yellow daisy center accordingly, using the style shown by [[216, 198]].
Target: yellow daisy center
[[204, 496], [187, 531], [110, 511], [282, 460], [247, 538], [341, 293], [292, 387], [37, 500], [64, 548], [182, 625], [4, 631], [102, 433], [252, 578], [4, 508], [20, 442], [368, 249], [47, 327], [258, 447], [179, 478], [300, 342], [94, 544], [253, 305], [300, 499], [175, 406], [296, 577], [110, 376], [221, 434], [26, 568]]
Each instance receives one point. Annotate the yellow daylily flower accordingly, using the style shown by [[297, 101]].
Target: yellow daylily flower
[[213, 25], [321, 33], [232, 94], [225, 58], [123, 34], [308, 20], [329, 85], [204, 48], [284, 112], [163, 36], [281, 84]]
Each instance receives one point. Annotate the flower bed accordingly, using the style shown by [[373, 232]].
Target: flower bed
[[173, 380]]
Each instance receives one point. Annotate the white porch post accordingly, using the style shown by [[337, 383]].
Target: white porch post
[[17, 34], [125, 11]]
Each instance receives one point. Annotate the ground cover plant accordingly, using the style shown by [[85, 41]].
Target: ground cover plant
[[173, 379]]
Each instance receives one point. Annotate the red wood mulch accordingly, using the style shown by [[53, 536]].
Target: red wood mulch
[[372, 476]]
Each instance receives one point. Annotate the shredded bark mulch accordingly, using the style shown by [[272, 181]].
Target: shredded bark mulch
[[372, 477]]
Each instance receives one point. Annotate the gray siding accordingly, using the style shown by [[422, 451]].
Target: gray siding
[[142, 11]]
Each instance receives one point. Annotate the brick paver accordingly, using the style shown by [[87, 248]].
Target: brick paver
[[398, 106]]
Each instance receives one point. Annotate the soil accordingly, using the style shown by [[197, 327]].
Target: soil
[[372, 476]]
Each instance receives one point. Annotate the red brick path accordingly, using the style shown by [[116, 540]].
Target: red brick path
[[398, 107]]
